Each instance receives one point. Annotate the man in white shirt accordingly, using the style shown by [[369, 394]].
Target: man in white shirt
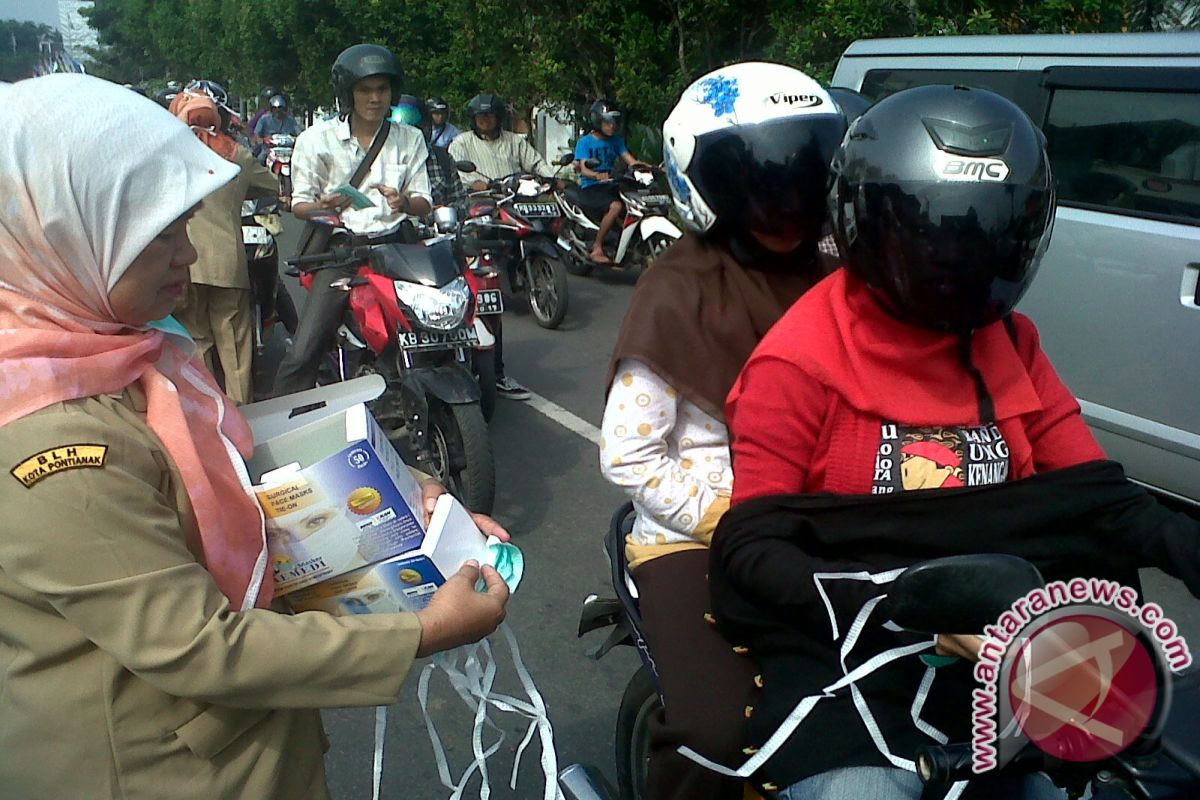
[[326, 155], [496, 153]]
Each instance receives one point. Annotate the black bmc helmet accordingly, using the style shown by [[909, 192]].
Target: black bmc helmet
[[603, 111], [943, 202], [437, 105], [363, 61], [489, 103]]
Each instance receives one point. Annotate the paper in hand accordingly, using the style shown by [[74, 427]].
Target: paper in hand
[[358, 200]]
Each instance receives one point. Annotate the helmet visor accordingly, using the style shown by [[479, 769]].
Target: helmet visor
[[772, 177], [953, 256]]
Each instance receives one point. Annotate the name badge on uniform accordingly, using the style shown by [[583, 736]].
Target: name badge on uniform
[[59, 459]]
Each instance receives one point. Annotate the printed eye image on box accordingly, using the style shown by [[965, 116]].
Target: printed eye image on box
[[335, 493]]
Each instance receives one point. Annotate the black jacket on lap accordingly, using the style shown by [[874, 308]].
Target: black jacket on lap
[[776, 591]]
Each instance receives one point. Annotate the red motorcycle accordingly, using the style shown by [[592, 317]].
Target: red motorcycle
[[520, 216], [279, 161], [410, 319]]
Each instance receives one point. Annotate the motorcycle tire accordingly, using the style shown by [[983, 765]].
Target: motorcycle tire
[[483, 365], [463, 454], [546, 289], [639, 704]]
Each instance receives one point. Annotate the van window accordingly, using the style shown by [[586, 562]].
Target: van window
[[1131, 152], [879, 83]]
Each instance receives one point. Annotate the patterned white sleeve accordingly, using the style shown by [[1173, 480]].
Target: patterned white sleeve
[[641, 412]]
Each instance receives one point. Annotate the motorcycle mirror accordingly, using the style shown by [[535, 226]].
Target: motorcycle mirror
[[465, 166], [959, 594], [565, 159]]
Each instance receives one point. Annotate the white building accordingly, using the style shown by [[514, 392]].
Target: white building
[[77, 34]]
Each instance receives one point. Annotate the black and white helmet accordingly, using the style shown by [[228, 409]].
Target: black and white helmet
[[747, 148], [603, 111], [943, 202]]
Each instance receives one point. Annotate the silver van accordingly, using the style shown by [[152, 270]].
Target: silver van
[[1116, 298]]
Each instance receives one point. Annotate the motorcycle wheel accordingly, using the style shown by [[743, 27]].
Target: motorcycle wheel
[[546, 289], [462, 454], [655, 246], [483, 365], [639, 704]]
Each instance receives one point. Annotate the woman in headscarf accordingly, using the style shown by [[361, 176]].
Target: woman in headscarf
[[138, 653], [747, 152]]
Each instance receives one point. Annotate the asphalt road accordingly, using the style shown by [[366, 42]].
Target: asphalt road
[[552, 498]]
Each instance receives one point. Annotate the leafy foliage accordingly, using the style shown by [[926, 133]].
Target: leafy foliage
[[19, 47], [556, 54]]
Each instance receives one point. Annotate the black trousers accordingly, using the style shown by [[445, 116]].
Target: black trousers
[[706, 685], [315, 333]]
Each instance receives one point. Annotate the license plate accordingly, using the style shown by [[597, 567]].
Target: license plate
[[438, 340], [537, 210], [252, 234], [489, 301], [656, 199]]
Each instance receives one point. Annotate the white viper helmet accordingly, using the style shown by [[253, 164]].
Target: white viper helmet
[[749, 146]]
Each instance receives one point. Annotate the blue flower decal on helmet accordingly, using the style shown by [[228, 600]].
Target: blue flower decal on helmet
[[720, 93], [678, 184]]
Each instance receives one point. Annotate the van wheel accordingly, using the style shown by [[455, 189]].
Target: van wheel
[[638, 705]]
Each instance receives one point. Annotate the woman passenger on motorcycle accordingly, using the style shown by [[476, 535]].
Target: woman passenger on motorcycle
[[604, 144], [907, 370], [748, 176]]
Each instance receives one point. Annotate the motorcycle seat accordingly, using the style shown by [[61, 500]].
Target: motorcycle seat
[[593, 204]]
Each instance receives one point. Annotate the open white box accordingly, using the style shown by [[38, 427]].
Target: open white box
[[336, 493], [407, 581]]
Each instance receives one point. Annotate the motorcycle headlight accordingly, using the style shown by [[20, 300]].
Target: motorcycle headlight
[[439, 309]]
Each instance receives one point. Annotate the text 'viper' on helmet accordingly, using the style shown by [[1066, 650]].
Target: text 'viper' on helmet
[[943, 202], [747, 148]]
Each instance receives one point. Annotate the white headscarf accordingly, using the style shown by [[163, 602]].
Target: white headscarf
[[90, 173]]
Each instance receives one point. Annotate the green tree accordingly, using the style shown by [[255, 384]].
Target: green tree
[[19, 47]]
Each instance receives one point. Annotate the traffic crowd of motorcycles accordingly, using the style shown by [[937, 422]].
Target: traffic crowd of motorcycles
[[425, 302]]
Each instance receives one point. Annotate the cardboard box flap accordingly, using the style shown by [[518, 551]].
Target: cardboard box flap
[[271, 418]]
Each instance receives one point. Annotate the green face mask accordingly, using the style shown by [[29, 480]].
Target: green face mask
[[175, 332], [509, 562]]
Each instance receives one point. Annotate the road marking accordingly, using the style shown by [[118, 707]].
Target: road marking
[[565, 418]]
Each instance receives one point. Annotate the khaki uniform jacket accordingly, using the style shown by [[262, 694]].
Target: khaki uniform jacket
[[124, 672], [216, 228]]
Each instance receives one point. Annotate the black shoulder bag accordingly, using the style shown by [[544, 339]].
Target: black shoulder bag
[[315, 238]]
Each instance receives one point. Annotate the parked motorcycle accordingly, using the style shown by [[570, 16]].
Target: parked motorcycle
[[518, 213], [269, 298], [278, 149], [1164, 764], [642, 235], [410, 320]]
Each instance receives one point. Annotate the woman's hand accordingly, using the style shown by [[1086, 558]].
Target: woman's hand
[[457, 614], [959, 644], [431, 490]]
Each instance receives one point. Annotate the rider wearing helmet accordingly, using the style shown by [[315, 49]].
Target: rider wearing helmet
[[365, 78], [907, 370], [749, 174], [496, 153], [447, 189], [443, 132], [278, 120], [605, 145], [264, 106]]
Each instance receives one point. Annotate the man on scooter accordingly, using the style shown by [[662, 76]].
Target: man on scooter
[[366, 77], [443, 131], [605, 145], [496, 153]]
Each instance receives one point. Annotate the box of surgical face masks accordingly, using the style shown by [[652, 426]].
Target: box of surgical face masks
[[335, 493], [405, 582]]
